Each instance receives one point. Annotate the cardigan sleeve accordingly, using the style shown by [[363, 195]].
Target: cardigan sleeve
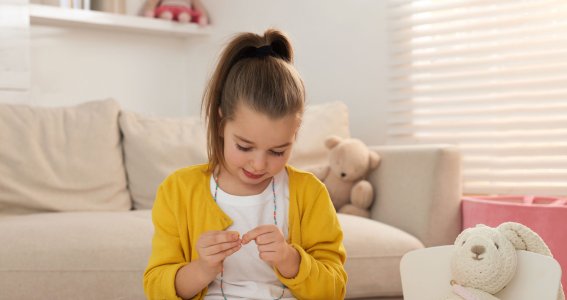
[[167, 254], [321, 271]]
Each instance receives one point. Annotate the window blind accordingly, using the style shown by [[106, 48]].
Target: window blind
[[490, 77]]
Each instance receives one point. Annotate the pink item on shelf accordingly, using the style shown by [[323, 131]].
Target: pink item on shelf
[[547, 216], [177, 10]]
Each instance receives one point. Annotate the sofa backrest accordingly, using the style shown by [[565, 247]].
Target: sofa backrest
[[154, 147], [93, 156]]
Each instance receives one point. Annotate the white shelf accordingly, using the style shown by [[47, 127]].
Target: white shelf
[[52, 15]]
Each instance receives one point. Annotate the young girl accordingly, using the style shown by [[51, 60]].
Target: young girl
[[246, 225]]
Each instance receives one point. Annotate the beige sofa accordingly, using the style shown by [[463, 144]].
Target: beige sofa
[[77, 183]]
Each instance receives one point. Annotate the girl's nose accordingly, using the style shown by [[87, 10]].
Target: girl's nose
[[259, 162]]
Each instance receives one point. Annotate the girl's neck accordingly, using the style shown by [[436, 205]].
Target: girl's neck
[[231, 184]]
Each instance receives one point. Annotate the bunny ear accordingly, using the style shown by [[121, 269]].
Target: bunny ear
[[523, 238]]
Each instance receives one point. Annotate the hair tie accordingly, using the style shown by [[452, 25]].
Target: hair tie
[[259, 52], [264, 51]]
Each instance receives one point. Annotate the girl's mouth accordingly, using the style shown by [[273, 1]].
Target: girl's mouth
[[252, 175]]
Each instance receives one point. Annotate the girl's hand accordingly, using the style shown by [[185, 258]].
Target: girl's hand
[[274, 249], [214, 246]]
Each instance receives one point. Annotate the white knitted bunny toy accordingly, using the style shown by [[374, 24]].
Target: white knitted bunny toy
[[485, 259]]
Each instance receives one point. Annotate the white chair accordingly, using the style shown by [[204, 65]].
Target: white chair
[[426, 275]]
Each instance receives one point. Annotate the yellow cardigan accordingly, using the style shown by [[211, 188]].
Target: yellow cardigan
[[184, 209]]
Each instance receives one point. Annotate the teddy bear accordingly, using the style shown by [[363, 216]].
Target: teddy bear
[[350, 160], [485, 259], [183, 11]]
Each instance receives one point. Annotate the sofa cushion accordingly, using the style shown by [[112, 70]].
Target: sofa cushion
[[374, 251], [319, 122], [74, 255], [105, 254], [154, 147], [61, 159]]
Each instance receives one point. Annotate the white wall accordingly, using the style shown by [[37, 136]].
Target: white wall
[[145, 73], [15, 71], [340, 52]]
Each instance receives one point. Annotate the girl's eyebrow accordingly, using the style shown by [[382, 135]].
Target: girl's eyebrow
[[252, 143]]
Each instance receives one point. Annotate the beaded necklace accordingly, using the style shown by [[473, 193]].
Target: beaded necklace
[[275, 222]]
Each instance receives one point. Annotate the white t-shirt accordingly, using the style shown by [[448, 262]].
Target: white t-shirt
[[246, 276]]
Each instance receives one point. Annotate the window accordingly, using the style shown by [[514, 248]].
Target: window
[[490, 77]]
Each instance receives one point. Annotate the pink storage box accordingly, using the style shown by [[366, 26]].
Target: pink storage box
[[545, 215]]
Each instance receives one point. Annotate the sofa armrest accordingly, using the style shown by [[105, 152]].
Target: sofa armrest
[[418, 189]]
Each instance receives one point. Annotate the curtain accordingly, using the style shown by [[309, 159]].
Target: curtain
[[490, 77]]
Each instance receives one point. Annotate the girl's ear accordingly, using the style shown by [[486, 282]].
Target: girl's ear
[[220, 112]]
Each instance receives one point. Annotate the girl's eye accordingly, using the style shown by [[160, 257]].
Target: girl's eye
[[244, 149], [497, 247], [277, 153]]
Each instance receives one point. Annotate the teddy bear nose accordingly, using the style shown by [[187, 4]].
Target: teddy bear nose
[[478, 250], [343, 174]]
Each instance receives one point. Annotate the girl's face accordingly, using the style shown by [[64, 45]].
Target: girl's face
[[255, 149]]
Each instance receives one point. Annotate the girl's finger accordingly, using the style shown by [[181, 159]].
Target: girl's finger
[[254, 233], [272, 247], [220, 256], [219, 248], [217, 237]]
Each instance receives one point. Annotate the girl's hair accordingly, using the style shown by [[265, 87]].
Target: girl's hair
[[256, 71]]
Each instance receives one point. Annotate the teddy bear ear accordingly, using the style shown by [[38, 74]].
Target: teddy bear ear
[[523, 238], [332, 141], [374, 160]]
